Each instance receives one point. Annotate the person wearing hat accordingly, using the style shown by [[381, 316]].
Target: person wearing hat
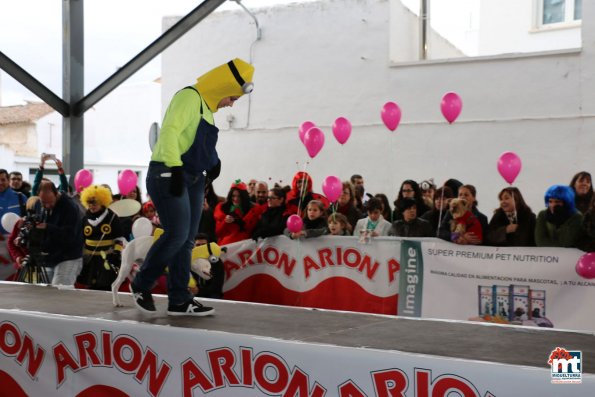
[[183, 158], [410, 225], [104, 239]]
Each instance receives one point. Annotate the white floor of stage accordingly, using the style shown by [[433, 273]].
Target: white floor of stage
[[463, 340]]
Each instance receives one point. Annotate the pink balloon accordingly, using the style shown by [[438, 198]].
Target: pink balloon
[[306, 125], [314, 141], [294, 223], [451, 106], [332, 188], [342, 130], [391, 115], [585, 267], [127, 181], [82, 179], [509, 166]]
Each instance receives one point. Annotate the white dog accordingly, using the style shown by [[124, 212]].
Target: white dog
[[136, 251]]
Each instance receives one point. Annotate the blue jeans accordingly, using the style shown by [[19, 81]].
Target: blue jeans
[[179, 217]]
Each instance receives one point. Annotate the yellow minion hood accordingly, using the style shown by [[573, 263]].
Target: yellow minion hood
[[230, 79]]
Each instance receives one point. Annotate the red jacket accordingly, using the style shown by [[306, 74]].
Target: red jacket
[[228, 233], [293, 196]]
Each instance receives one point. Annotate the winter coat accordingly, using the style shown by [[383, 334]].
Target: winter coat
[[524, 236], [415, 228], [566, 235]]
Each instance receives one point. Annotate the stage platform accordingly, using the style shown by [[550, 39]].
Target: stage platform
[[463, 341]]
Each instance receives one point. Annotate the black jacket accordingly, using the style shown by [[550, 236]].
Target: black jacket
[[63, 239]]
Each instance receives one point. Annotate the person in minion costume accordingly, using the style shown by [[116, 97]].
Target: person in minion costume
[[183, 158], [103, 239]]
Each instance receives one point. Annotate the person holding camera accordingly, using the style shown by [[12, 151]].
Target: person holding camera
[[183, 158], [63, 187], [61, 234], [18, 246]]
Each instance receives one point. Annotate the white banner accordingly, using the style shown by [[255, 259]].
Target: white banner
[[325, 272], [524, 286], [51, 355]]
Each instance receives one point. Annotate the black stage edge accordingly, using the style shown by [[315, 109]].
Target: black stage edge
[[462, 340]]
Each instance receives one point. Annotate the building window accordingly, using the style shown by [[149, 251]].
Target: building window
[[560, 11]]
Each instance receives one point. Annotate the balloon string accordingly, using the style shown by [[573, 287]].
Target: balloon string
[[303, 189], [440, 212], [514, 214]]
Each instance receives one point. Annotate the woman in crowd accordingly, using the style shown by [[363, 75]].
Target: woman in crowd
[[410, 189], [582, 185], [229, 215], [513, 224], [560, 223], [103, 239], [587, 240], [270, 219], [301, 193], [410, 225], [469, 193], [346, 205], [437, 215]]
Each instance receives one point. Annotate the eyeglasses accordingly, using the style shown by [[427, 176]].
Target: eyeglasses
[[407, 190], [91, 202], [272, 198]]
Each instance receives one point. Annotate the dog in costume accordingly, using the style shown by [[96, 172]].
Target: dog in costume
[[136, 251]]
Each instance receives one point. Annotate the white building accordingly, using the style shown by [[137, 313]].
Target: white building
[[317, 61]]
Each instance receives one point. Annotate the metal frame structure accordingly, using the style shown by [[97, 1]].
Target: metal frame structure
[[75, 103]]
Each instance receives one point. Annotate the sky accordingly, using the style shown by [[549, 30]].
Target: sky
[[115, 31]]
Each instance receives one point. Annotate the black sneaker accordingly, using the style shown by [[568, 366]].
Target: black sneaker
[[143, 300], [191, 308]]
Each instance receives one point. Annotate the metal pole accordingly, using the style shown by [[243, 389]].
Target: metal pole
[[144, 57], [423, 28], [73, 83]]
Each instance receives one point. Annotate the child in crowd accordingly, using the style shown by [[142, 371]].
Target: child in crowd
[[149, 212], [374, 224], [314, 221], [338, 225]]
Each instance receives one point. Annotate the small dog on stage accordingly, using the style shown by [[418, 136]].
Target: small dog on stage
[[136, 251]]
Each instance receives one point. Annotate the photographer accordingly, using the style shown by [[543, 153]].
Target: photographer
[[63, 187], [62, 237], [24, 245]]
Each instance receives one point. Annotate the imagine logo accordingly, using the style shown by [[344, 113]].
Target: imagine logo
[[566, 365]]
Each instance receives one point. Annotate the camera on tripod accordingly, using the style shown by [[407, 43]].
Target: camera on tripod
[[31, 238], [29, 224]]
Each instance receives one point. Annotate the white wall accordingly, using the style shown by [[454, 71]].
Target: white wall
[[509, 26], [318, 61]]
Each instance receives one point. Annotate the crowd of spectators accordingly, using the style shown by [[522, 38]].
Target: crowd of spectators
[[84, 237]]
